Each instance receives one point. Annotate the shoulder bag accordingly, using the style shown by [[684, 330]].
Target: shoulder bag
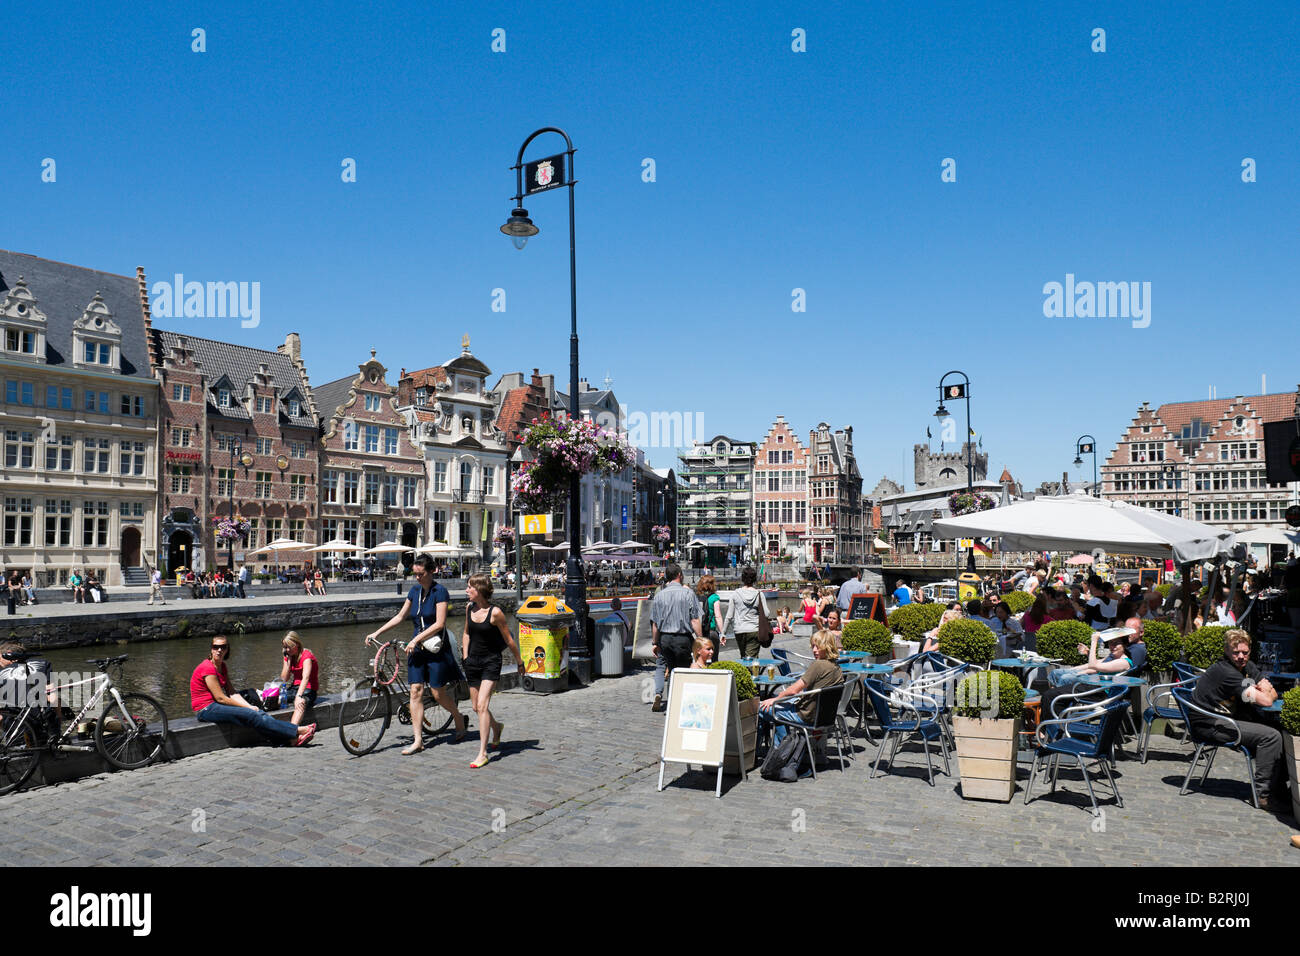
[[764, 624]]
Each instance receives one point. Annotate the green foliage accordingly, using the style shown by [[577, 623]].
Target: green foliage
[[1164, 644], [979, 692], [1204, 645], [1018, 602], [868, 636], [1059, 640], [744, 680], [1164, 588], [971, 641], [910, 621], [1291, 712]]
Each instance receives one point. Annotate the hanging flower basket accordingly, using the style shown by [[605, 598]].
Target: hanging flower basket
[[564, 449], [964, 503], [228, 529], [505, 535], [662, 535]]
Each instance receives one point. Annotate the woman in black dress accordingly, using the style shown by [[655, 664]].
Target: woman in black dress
[[486, 636]]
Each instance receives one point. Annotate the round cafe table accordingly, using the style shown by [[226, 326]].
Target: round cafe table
[[1028, 669], [1104, 680]]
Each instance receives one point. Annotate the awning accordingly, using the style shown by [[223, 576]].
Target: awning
[[719, 541]]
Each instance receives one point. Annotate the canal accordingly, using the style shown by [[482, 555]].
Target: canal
[[162, 669]]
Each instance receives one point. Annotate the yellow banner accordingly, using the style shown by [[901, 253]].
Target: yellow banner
[[537, 524]]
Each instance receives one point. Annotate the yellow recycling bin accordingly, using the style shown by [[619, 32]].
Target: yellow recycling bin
[[968, 586], [544, 644]]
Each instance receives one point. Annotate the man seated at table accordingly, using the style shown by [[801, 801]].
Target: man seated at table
[[821, 672], [1225, 688]]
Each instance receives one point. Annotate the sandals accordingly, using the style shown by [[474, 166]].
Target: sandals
[[496, 736], [413, 749], [479, 763], [305, 738], [461, 735]]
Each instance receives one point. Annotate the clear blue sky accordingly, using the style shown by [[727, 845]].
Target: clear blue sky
[[775, 170]]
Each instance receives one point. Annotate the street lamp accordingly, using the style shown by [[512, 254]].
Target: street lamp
[[1088, 448], [960, 391], [542, 175], [237, 453]]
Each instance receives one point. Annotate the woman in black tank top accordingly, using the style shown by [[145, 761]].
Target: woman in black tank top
[[486, 636]]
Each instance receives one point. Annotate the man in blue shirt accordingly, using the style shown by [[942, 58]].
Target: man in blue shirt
[[902, 593], [849, 588]]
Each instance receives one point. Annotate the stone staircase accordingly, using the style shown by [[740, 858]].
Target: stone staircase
[[135, 577]]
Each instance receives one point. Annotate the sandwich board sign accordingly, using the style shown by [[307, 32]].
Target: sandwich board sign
[[703, 713]]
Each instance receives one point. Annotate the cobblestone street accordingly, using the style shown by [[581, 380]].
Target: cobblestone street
[[575, 784]]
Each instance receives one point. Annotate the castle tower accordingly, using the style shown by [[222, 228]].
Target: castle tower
[[933, 469]]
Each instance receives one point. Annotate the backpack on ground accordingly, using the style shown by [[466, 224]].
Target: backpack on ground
[[787, 760]]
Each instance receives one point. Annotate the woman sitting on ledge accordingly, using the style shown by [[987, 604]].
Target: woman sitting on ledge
[[212, 701]]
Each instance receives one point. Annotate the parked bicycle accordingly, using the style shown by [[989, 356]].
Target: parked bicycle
[[129, 732], [368, 703]]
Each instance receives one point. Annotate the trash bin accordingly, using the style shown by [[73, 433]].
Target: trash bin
[[611, 636], [544, 644], [968, 586]]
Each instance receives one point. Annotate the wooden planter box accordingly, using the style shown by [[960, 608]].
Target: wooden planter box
[[986, 757], [1291, 743], [748, 735]]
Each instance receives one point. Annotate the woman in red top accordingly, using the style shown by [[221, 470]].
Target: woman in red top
[[212, 701], [808, 604], [320, 582], [302, 671]]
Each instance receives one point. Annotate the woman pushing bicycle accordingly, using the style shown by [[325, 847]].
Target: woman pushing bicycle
[[426, 606]]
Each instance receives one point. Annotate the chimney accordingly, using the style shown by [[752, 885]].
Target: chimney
[[292, 347], [582, 385]]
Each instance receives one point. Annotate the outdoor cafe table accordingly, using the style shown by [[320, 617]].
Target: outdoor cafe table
[[1015, 663], [853, 655], [762, 662], [866, 670], [1104, 680], [1273, 708]]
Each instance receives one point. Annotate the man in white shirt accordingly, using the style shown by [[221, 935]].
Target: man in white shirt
[[849, 588]]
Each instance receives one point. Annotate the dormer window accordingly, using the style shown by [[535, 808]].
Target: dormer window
[[100, 353], [422, 397], [223, 397], [293, 408], [22, 324], [97, 339], [20, 340]]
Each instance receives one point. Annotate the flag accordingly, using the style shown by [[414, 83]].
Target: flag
[[485, 526], [984, 545], [972, 431], [927, 431]]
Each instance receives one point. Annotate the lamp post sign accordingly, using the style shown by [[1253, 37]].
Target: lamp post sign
[[536, 524], [543, 174]]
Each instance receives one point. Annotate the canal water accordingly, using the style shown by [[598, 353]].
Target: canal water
[[162, 669]]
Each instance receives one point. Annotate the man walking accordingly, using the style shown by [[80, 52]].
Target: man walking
[[243, 579], [674, 623], [155, 586], [849, 588]]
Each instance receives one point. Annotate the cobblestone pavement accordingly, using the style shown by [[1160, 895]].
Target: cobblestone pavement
[[576, 784]]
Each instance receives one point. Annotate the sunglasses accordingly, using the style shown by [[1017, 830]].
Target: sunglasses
[[221, 647]]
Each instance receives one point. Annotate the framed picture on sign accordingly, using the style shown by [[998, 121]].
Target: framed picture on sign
[[864, 607], [702, 712]]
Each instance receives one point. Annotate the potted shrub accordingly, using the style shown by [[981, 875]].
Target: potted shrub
[[986, 724], [1204, 646], [1018, 602], [1290, 732], [911, 621], [1164, 646], [747, 694], [869, 637], [1059, 640], [971, 641]]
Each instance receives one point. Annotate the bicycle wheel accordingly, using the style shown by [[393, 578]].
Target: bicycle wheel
[[431, 707], [386, 664], [367, 710], [131, 735], [19, 754]]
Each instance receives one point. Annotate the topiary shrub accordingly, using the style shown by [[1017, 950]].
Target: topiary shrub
[[1164, 588], [1018, 602], [990, 694], [869, 637], [909, 621], [1204, 645], [1060, 639], [1164, 645], [744, 680], [971, 641], [1291, 712]]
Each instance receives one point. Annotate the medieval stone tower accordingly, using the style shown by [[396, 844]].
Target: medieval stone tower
[[932, 469]]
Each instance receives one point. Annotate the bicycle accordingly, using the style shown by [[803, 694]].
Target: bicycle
[[362, 725], [129, 733]]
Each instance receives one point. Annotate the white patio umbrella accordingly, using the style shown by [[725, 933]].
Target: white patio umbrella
[[600, 546], [388, 547], [1082, 523], [631, 545], [1269, 536], [338, 544], [281, 544]]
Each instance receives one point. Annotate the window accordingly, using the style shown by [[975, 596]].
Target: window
[[180, 393], [18, 522], [800, 512], [103, 403], [372, 488], [20, 393], [372, 439], [225, 482], [349, 436], [390, 441], [94, 524], [297, 487], [331, 491], [440, 479], [51, 396], [265, 405], [294, 408], [1228, 451], [298, 449], [181, 479], [65, 398], [262, 485], [390, 491], [95, 456], [98, 353], [90, 401], [773, 457], [350, 484], [181, 437], [132, 458], [58, 523], [330, 529], [464, 520], [1140, 451], [58, 454], [372, 402], [466, 476], [489, 480], [409, 491], [422, 396], [18, 340], [223, 397], [20, 448], [133, 405], [273, 528], [439, 525], [265, 446], [350, 530]]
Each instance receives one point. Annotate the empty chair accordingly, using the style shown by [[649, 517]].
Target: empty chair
[[910, 720], [1160, 705], [1059, 738]]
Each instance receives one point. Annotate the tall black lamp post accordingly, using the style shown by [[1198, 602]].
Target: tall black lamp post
[[237, 453], [1085, 448], [955, 391], [538, 176]]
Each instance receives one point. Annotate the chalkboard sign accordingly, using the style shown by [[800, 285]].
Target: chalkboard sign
[[867, 606], [1149, 577]]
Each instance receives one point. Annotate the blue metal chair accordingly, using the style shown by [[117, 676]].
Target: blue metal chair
[[1184, 671], [1058, 738], [885, 698], [783, 658], [1157, 710], [1182, 694], [827, 719]]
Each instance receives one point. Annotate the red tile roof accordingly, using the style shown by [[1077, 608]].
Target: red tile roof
[[1275, 407]]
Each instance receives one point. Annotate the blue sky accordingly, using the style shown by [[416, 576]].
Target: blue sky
[[775, 170]]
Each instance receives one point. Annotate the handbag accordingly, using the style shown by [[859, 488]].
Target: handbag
[[764, 626], [433, 644]]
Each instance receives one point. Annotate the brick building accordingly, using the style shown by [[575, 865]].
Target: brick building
[[838, 522], [79, 422], [236, 422], [780, 492], [372, 475]]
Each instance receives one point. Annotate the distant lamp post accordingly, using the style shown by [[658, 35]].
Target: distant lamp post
[[1088, 447], [955, 391], [237, 453]]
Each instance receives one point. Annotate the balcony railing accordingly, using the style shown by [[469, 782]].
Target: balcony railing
[[464, 496]]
